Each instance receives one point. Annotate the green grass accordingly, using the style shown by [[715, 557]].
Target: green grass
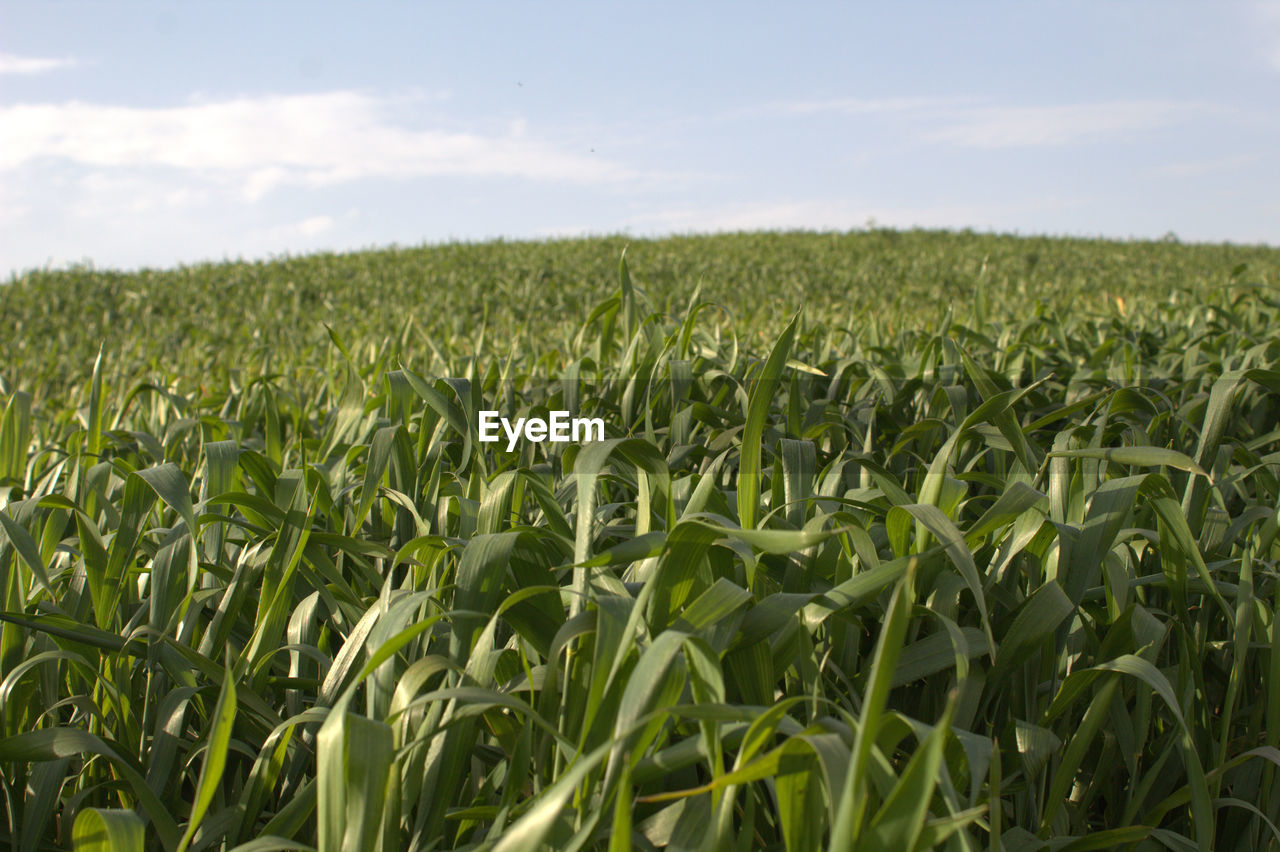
[[978, 550]]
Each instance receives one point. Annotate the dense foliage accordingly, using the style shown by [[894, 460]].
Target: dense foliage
[[977, 550]]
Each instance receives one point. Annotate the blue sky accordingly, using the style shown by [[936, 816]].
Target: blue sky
[[155, 133]]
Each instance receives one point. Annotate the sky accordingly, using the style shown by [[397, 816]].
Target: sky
[[155, 133]]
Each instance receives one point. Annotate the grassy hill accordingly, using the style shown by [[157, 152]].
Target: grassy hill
[[207, 321]]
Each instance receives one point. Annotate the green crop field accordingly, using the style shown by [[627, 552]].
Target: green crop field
[[896, 540]]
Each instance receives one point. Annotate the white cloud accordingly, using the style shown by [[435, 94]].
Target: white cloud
[[864, 106], [27, 65], [751, 216], [1034, 126], [299, 235], [265, 142], [314, 225], [1267, 15], [1196, 168], [970, 123], [130, 185], [833, 215], [12, 214], [102, 194]]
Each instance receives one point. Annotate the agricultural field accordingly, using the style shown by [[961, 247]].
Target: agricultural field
[[895, 540]]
